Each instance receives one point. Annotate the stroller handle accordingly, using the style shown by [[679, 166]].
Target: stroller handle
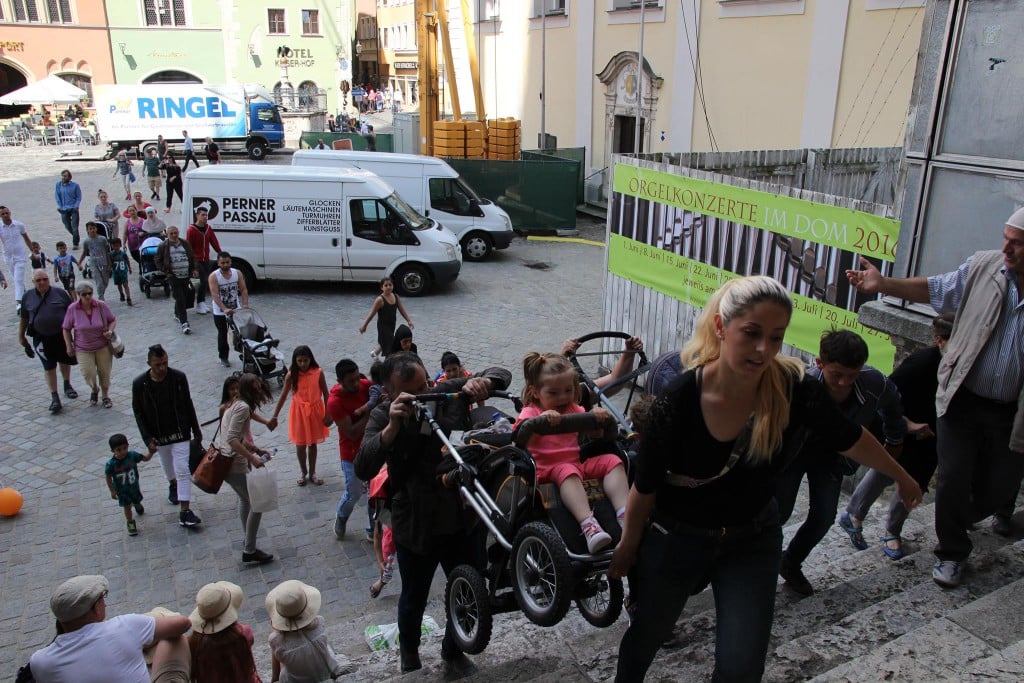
[[461, 395], [577, 422]]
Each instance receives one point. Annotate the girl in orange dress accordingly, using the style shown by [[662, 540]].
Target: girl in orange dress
[[308, 421]]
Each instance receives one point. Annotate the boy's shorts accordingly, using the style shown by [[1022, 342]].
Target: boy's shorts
[[120, 277], [128, 497], [68, 282]]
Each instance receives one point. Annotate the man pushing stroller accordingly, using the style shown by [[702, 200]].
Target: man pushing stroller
[[426, 522]]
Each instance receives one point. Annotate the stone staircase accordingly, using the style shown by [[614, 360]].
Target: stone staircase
[[870, 619]]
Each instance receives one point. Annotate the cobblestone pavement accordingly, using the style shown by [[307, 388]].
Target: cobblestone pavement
[[531, 296]]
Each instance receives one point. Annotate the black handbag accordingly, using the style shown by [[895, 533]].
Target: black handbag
[[190, 294]]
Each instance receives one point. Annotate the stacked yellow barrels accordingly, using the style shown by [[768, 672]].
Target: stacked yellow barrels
[[504, 138]]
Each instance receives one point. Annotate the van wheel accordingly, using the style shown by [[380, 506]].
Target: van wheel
[[258, 151], [411, 280], [476, 246], [247, 272]]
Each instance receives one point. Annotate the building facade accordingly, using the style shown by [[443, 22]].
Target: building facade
[[68, 38], [717, 74], [396, 34], [367, 45]]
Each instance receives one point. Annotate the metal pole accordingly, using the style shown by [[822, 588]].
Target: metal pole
[[543, 71], [639, 81]]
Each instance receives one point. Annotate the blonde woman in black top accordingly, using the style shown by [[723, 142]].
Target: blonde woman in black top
[[702, 508]]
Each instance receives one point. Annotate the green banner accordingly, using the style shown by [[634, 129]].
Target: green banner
[[693, 283], [834, 226]]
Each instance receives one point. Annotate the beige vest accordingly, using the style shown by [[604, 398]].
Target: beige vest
[[976, 319]]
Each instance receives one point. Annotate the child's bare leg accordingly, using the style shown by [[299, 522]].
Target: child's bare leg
[[311, 455], [616, 487], [574, 497], [127, 512], [300, 453]]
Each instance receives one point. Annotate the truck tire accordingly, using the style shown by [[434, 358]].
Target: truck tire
[[476, 246], [258, 151], [411, 279]]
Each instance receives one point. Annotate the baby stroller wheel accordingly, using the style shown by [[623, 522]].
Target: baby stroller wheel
[[148, 291], [542, 575], [468, 609], [600, 599]]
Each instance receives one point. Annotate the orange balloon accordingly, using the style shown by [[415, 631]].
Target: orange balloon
[[10, 502]]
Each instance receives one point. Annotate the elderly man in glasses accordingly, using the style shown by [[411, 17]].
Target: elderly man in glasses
[[42, 314]]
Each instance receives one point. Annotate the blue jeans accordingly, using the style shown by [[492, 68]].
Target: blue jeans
[[743, 575], [353, 492], [824, 484], [69, 217], [417, 572]]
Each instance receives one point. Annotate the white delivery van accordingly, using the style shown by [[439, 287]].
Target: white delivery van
[[433, 188], [302, 223]]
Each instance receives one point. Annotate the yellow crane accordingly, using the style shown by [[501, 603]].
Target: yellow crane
[[432, 23]]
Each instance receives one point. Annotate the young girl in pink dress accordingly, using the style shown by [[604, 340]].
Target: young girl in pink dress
[[553, 389], [308, 420]]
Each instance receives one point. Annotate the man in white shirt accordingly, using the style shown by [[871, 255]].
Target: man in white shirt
[[91, 649], [227, 289], [12, 235], [190, 152]]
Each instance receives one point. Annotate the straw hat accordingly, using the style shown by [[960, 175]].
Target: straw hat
[[237, 596], [292, 605], [214, 610]]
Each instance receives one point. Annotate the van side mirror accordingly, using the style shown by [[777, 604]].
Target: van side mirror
[[426, 213]]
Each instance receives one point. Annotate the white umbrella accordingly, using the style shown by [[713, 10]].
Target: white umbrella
[[50, 90]]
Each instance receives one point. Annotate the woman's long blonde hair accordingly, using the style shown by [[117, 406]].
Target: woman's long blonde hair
[[771, 407]]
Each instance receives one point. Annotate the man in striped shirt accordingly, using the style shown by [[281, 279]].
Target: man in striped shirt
[[980, 429]]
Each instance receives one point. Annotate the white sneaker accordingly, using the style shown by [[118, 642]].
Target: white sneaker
[[202, 308], [948, 573], [185, 329]]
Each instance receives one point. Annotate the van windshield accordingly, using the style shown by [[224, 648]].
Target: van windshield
[[408, 214], [467, 190]]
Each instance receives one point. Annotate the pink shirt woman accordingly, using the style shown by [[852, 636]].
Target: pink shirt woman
[[88, 326]]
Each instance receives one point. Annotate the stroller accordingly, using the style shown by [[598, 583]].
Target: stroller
[[537, 559], [150, 275], [256, 348]]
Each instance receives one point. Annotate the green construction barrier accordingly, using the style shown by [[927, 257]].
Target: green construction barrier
[[309, 140], [571, 153], [537, 194]]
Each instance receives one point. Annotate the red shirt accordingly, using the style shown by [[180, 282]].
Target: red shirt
[[201, 242], [341, 404]]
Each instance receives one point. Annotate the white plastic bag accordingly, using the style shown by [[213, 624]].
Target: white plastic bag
[[385, 636], [262, 485]]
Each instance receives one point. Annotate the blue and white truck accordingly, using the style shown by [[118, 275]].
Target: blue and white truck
[[238, 118]]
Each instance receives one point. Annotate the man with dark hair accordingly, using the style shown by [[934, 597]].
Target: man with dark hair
[[89, 647], [349, 405], [425, 516], [861, 392], [67, 194], [163, 409], [42, 316], [980, 399], [228, 292], [201, 236]]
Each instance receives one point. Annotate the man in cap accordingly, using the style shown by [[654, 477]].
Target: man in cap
[[89, 647], [980, 427]]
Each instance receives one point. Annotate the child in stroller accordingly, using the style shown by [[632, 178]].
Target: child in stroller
[[150, 275], [553, 390], [256, 347]]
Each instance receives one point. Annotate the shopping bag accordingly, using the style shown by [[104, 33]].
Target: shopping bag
[[131, 176], [262, 485], [385, 636], [116, 345]]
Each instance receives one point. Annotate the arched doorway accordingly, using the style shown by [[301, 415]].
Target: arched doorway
[[80, 81], [172, 76], [11, 79], [307, 96]]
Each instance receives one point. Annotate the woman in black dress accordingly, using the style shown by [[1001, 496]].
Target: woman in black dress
[[702, 508]]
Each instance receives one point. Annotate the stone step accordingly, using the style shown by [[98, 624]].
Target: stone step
[[981, 639]]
